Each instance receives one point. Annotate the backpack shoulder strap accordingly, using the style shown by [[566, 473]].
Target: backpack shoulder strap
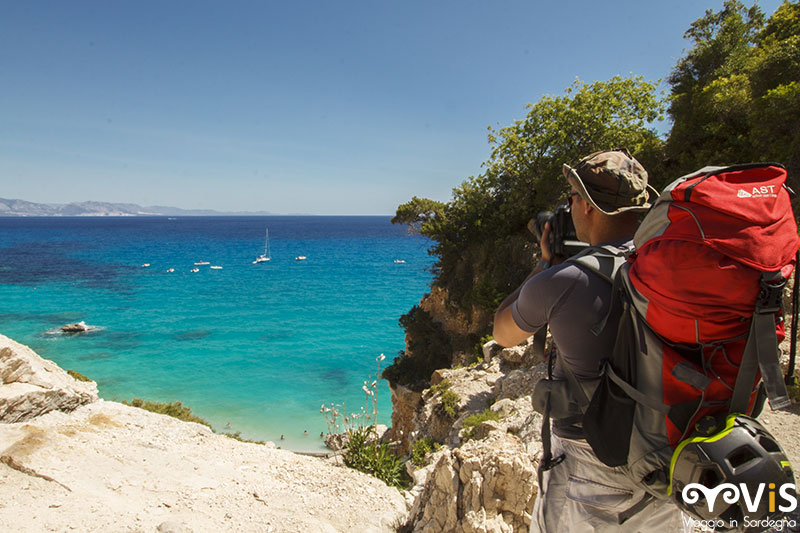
[[603, 260], [761, 349]]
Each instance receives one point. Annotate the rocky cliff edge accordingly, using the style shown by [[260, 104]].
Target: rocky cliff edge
[[71, 462]]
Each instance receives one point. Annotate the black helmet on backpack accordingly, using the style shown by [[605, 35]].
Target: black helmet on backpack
[[743, 453]]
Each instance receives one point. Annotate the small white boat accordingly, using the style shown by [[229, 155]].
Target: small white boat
[[195, 269], [300, 258], [266, 256], [199, 263], [215, 267], [398, 261], [145, 265], [170, 270]]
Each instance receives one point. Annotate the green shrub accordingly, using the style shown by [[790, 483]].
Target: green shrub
[[421, 448], [173, 409], [376, 459], [441, 386], [77, 376], [479, 238], [450, 404], [238, 436], [478, 350], [473, 421], [184, 413]]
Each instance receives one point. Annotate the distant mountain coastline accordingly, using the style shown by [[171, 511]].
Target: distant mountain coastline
[[22, 208]]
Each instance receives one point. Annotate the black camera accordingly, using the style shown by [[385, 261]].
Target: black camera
[[563, 240]]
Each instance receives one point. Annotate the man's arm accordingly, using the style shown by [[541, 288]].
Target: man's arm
[[506, 332]]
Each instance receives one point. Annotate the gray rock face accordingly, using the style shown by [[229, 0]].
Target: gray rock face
[[31, 386]]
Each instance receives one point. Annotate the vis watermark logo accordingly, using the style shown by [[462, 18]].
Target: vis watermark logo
[[782, 499]]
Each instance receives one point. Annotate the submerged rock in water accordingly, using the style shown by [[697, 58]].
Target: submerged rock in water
[[77, 327]]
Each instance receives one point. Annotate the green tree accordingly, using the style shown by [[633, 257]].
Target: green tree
[[711, 95], [480, 236], [422, 214], [775, 84], [736, 94]]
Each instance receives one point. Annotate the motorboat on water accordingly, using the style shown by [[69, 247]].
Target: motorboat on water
[[201, 263], [300, 258], [195, 269], [215, 267]]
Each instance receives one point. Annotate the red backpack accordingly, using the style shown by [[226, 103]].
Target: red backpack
[[701, 317]]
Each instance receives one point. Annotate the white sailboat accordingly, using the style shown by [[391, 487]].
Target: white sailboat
[[266, 255]]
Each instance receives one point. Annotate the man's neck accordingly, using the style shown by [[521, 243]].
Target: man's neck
[[611, 233]]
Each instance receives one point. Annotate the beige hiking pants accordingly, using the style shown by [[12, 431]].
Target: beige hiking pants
[[581, 494]]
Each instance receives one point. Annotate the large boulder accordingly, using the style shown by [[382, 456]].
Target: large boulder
[[31, 386]]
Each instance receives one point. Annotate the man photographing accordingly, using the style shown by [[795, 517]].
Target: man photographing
[[608, 192]]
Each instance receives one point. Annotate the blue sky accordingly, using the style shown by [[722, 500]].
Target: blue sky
[[295, 107]]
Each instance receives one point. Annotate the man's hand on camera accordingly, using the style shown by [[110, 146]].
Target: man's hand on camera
[[544, 244], [548, 259]]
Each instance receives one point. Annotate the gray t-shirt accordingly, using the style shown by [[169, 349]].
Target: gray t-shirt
[[572, 300]]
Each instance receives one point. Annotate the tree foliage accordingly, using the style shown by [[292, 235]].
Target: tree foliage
[[422, 214], [774, 72], [736, 94], [430, 349]]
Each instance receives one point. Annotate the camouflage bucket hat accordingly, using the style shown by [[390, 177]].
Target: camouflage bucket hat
[[612, 182]]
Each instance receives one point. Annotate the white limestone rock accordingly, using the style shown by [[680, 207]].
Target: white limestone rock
[[113, 467], [486, 485], [31, 386]]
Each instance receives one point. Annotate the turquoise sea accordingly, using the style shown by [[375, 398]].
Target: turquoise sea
[[258, 346]]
